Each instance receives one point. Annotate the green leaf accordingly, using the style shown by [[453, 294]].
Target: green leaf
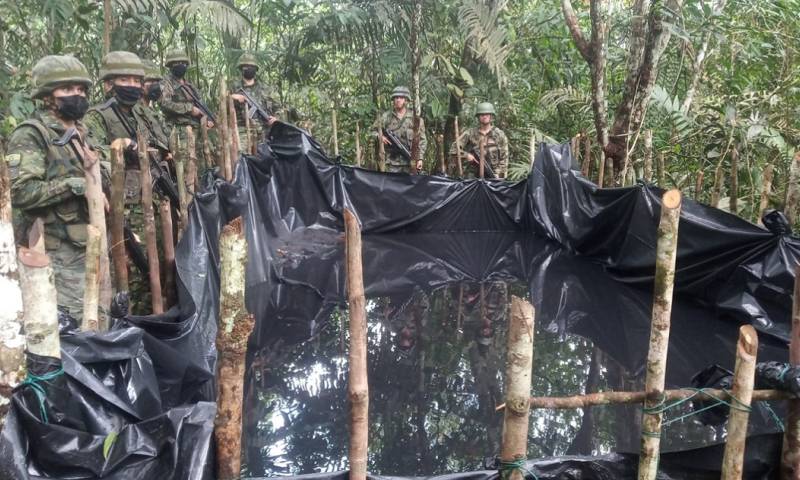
[[466, 76], [108, 443]]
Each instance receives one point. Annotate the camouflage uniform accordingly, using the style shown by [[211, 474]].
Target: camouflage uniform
[[48, 182], [495, 149], [403, 127]]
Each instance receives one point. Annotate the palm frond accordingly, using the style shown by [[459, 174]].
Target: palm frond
[[141, 6], [486, 36], [222, 15]]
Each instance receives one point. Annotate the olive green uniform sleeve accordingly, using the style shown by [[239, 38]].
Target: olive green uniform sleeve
[[168, 103], [27, 163], [98, 133]]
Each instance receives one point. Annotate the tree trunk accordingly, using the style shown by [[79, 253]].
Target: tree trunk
[[743, 380], [790, 457], [661, 171], [170, 290], [107, 26], [381, 147], [648, 156], [235, 327], [233, 131], [358, 386], [586, 167], [598, 67], [416, 58], [150, 228], [12, 341], [208, 161], [458, 148], [666, 253], [40, 304], [601, 170], [532, 149], [519, 365], [766, 188], [335, 128], [698, 185], [442, 155], [191, 168], [91, 292], [358, 144], [793, 191], [118, 252], [180, 173], [224, 135]]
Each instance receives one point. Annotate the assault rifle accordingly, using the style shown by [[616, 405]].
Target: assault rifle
[[135, 250], [394, 142], [254, 110], [162, 181], [487, 168], [189, 90]]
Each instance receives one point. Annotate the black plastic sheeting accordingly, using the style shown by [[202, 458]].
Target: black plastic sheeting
[[150, 379]]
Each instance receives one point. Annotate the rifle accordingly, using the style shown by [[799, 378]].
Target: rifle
[[394, 142], [135, 251], [254, 109], [188, 90], [487, 168], [162, 181]]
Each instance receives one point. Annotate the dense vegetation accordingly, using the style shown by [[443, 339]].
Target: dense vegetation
[[716, 82]]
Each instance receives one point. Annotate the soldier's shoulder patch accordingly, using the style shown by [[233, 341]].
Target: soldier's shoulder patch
[[13, 159]]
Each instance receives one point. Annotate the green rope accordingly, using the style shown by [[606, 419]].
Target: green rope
[[662, 406], [507, 467], [33, 381]]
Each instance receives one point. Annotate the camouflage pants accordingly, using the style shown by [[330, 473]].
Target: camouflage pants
[[257, 133], [69, 269], [395, 163]]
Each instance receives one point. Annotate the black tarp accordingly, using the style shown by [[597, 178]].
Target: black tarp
[[150, 380]]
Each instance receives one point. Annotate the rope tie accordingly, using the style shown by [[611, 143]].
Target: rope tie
[[507, 467], [34, 381]]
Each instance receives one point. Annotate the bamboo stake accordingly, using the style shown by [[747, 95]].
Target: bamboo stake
[[586, 165], [224, 139], [574, 143], [790, 458], [601, 170], [12, 341], [358, 144], [519, 363], [381, 147], [358, 387], [118, 253], [180, 173], [442, 156], [698, 185], [482, 151], [458, 148], [39, 299], [743, 380], [793, 190], [107, 26], [661, 171], [236, 325], [766, 188], [251, 146], [666, 253], [170, 292], [233, 130], [96, 200], [734, 196], [335, 127], [648, 156], [617, 398], [208, 161], [191, 168], [532, 148], [91, 292], [150, 228]]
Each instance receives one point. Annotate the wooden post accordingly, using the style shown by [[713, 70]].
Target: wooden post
[[532, 148], [358, 144], [40, 302], [208, 161], [180, 174], [91, 292], [766, 187], [381, 167], [358, 387], [96, 200], [519, 365], [661, 171], [586, 165], [482, 160], [191, 167], [233, 131], [458, 147], [574, 150], [601, 169], [170, 292], [12, 341], [698, 185], [335, 127], [107, 26], [118, 252], [648, 156], [235, 327], [793, 190], [743, 380], [666, 253], [734, 195], [790, 458], [442, 156], [224, 139], [150, 228]]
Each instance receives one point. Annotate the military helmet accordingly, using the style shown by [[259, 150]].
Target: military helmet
[[401, 92], [176, 56], [247, 59], [484, 107], [151, 71], [121, 63], [55, 70]]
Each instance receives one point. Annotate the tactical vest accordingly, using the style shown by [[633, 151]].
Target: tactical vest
[[65, 221]]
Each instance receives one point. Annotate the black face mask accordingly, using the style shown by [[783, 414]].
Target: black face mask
[[249, 73], [72, 107], [127, 96], [154, 92], [179, 70]]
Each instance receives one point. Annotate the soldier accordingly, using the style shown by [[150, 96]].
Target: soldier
[[400, 122], [123, 116], [258, 92], [495, 143], [177, 106], [152, 84], [47, 175]]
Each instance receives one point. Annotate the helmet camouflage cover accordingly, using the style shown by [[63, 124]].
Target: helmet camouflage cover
[[484, 107], [247, 59], [401, 92], [151, 71], [121, 63], [55, 70], [176, 56]]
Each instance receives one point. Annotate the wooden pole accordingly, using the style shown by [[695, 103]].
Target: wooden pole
[[586, 165], [170, 291], [150, 228], [734, 195], [250, 146], [233, 130], [666, 253], [766, 188], [482, 160], [698, 185], [12, 341], [358, 387], [235, 327], [118, 252], [661, 171], [743, 380], [358, 144], [616, 398], [532, 148], [40, 302], [442, 156], [180, 172], [107, 26], [191, 167], [91, 292], [793, 190], [790, 458], [96, 200], [648, 156], [335, 128], [519, 365], [381, 167], [208, 160], [224, 139], [601, 170], [458, 148]]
